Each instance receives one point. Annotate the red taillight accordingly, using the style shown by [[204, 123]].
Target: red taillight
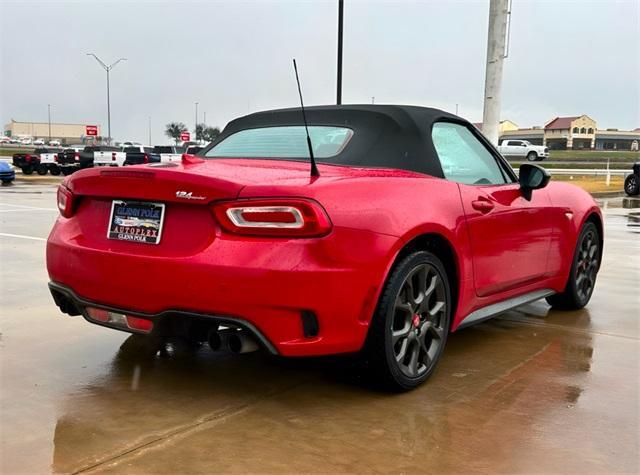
[[55, 157], [295, 217], [65, 201], [113, 156], [76, 156], [146, 158], [119, 320]]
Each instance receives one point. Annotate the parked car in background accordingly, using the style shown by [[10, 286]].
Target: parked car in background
[[38, 142], [69, 159], [54, 143], [28, 162], [523, 149], [632, 182], [5, 140], [7, 173], [25, 141], [49, 162], [109, 157], [128, 143], [169, 153], [411, 226], [193, 149], [140, 155]]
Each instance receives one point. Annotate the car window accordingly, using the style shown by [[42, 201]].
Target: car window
[[464, 159], [288, 141], [163, 149]]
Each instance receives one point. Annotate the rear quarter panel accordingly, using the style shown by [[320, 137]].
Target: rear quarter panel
[[403, 206]]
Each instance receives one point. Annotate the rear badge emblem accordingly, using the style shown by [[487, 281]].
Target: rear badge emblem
[[188, 195]]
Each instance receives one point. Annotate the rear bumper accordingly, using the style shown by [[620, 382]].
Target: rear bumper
[[70, 303], [266, 285]]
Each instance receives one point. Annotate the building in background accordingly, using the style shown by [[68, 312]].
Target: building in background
[[574, 133], [65, 133]]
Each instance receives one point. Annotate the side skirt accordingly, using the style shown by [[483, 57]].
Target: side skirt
[[494, 309]]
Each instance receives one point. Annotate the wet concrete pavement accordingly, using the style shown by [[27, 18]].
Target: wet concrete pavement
[[534, 390]]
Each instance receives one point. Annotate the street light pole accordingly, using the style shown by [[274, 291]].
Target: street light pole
[[196, 129], [49, 114], [339, 79], [107, 69], [150, 131]]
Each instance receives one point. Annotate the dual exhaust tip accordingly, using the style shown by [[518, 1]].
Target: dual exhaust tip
[[237, 342]]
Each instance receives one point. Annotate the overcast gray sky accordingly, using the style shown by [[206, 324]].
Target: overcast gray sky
[[566, 58]]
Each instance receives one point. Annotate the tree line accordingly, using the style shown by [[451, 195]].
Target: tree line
[[173, 130]]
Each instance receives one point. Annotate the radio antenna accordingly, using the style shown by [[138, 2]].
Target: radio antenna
[[314, 168]]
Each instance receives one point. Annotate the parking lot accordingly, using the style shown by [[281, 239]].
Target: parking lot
[[530, 391]]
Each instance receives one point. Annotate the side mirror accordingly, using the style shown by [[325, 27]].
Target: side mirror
[[532, 177]]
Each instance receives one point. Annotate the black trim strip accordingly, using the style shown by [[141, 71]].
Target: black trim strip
[[81, 303]]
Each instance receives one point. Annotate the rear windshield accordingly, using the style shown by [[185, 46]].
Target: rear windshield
[[166, 149], [283, 142], [133, 149]]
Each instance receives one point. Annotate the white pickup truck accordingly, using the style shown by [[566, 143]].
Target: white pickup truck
[[169, 153], [523, 149], [109, 158], [49, 162]]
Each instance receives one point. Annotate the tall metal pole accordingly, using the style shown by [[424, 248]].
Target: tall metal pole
[[49, 113], [204, 121], [496, 49], [339, 79], [108, 111], [456, 109], [107, 69], [196, 129], [150, 131]]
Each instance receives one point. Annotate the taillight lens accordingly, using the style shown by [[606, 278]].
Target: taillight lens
[[55, 157], [113, 156], [76, 156], [146, 158], [65, 201], [296, 217]]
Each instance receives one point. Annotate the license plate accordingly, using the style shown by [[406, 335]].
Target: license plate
[[136, 221]]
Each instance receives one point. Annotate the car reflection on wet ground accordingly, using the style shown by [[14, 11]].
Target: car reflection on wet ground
[[533, 390]]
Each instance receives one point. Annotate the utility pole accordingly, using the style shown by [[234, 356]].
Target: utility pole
[[456, 109], [204, 121], [339, 79], [373, 99], [196, 129], [107, 69], [49, 113], [150, 131], [499, 14]]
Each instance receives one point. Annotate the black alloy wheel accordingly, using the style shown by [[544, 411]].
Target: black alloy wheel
[[584, 270], [632, 185], [411, 325]]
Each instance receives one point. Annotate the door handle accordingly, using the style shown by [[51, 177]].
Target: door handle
[[483, 206]]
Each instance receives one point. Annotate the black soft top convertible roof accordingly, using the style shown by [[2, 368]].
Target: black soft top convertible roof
[[385, 136]]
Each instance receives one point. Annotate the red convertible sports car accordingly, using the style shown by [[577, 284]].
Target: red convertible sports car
[[410, 227]]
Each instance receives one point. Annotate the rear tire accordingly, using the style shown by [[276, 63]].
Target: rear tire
[[632, 185], [66, 171], [55, 170], [27, 169], [584, 270], [41, 170], [532, 156], [410, 326]]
